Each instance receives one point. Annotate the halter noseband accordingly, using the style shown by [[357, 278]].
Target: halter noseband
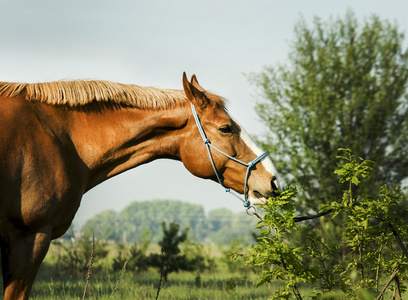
[[247, 204]]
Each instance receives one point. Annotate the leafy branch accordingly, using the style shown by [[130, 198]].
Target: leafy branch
[[370, 225]]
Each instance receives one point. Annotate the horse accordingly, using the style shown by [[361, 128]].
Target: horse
[[60, 139]]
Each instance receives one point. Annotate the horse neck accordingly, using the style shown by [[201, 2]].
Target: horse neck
[[111, 141]]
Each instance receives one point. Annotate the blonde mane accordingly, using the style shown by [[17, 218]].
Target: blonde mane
[[82, 92]]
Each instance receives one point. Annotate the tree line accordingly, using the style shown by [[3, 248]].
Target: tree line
[[144, 218]]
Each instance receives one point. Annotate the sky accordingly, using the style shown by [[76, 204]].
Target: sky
[[151, 43]]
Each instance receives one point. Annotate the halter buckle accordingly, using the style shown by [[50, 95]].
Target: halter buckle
[[249, 213]]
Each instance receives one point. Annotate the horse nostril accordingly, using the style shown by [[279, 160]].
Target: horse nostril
[[257, 194], [274, 185]]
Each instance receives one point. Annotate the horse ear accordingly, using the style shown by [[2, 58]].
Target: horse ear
[[194, 82], [194, 95]]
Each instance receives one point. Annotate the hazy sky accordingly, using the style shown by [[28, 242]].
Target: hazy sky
[[151, 43]]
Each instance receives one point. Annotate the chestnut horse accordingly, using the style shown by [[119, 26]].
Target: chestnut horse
[[60, 139]]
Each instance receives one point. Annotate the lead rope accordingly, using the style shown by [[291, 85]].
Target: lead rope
[[246, 203]]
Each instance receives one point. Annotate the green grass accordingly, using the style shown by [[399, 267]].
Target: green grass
[[145, 285], [218, 283]]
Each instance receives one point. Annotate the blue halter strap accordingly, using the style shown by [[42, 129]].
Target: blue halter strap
[[246, 202]]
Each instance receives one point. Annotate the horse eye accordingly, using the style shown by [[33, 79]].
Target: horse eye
[[225, 129]]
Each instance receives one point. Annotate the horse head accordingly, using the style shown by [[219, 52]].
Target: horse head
[[216, 147]]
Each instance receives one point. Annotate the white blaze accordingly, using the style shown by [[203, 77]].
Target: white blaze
[[266, 162]]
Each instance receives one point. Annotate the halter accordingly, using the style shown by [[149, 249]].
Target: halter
[[247, 204]]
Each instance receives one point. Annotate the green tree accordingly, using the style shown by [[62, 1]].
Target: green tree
[[344, 85], [138, 217], [133, 257], [225, 226], [104, 225], [171, 260], [198, 258], [74, 256]]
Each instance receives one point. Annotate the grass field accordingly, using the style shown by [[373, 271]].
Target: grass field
[[214, 286], [145, 286], [218, 283]]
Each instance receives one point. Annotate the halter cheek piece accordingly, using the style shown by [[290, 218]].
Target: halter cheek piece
[[246, 202]]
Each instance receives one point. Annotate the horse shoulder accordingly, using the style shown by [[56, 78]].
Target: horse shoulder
[[40, 179]]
